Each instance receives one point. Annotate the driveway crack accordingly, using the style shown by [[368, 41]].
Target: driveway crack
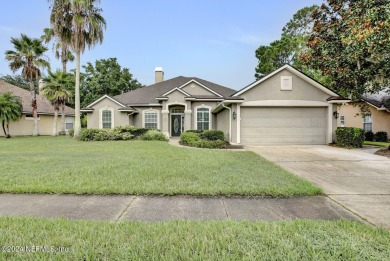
[[125, 209], [224, 207]]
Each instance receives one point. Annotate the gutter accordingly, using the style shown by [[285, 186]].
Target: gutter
[[230, 121]]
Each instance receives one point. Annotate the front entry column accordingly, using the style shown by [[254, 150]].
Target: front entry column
[[187, 120], [165, 122]]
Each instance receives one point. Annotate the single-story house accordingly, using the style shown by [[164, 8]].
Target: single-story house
[[24, 126], [284, 107], [375, 117]]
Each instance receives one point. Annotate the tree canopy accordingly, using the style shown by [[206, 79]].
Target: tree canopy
[[350, 42], [106, 76]]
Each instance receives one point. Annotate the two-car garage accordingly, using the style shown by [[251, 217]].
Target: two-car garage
[[283, 125]]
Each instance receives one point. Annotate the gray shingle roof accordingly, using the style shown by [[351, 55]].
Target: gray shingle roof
[[379, 99], [148, 94], [44, 106]]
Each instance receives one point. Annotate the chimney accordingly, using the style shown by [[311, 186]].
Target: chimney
[[159, 74]]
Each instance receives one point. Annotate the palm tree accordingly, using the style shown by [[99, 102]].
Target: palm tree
[[10, 110], [61, 45], [84, 24], [58, 89], [28, 56]]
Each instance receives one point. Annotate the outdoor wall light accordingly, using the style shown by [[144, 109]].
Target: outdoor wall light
[[335, 114], [234, 115]]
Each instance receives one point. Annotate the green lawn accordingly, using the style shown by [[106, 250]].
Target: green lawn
[[63, 165], [375, 143], [191, 240]]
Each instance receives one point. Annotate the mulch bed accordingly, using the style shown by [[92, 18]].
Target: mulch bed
[[383, 152]]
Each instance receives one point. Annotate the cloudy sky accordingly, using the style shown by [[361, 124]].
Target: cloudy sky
[[211, 39]]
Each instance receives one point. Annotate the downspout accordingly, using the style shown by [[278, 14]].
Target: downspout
[[230, 121]]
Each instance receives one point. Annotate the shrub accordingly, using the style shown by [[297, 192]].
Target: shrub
[[214, 135], [71, 132], [189, 138], [381, 136], [154, 135], [88, 134], [369, 136], [210, 144], [124, 129], [350, 137], [139, 132], [195, 131]]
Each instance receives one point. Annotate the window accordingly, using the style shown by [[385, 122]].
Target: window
[[69, 125], [342, 121], [203, 119], [151, 121], [367, 122], [106, 119], [177, 111]]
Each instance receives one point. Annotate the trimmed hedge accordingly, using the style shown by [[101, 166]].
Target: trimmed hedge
[[350, 137], [154, 135], [210, 139], [369, 136], [381, 136], [121, 133]]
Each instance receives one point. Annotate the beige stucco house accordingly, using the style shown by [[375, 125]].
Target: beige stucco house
[[24, 126], [285, 107], [375, 117]]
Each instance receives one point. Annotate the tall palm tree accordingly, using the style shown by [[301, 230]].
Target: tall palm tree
[[58, 89], [10, 110], [85, 25], [28, 56], [61, 44]]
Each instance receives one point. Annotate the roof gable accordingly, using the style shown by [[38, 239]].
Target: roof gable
[[295, 72], [105, 97]]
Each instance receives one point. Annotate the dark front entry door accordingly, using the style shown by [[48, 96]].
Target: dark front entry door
[[176, 125]]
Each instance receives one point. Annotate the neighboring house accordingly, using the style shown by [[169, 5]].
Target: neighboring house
[[24, 126], [376, 118], [285, 107]]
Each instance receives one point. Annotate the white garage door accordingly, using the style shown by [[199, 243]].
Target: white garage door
[[283, 126]]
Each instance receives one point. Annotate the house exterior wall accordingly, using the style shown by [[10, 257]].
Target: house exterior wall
[[353, 117], [93, 118], [223, 123], [195, 89], [270, 90], [24, 127], [137, 119]]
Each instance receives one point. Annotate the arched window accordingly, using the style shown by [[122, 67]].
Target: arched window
[[106, 119], [203, 118]]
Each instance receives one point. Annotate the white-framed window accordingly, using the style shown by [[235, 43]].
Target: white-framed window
[[151, 119], [367, 122], [203, 119], [106, 118], [342, 121], [69, 122]]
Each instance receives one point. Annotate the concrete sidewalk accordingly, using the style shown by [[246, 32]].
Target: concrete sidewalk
[[163, 208]]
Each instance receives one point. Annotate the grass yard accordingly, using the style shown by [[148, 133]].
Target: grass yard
[[63, 165], [375, 143], [191, 240]]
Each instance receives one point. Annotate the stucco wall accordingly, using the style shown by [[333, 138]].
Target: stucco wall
[[137, 119], [120, 118], [25, 127], [353, 118], [194, 89], [270, 90], [223, 123]]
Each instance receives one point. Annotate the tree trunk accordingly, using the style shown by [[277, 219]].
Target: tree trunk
[[34, 108], [63, 130], [77, 122], [8, 135], [3, 124], [55, 121], [64, 59]]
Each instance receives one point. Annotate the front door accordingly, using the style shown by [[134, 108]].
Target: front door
[[176, 125]]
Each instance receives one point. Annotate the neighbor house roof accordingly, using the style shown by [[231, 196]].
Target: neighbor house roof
[[148, 94], [379, 99], [44, 106]]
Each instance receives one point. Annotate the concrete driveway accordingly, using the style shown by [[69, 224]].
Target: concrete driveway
[[358, 180]]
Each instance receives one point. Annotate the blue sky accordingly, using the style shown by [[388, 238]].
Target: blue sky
[[211, 39]]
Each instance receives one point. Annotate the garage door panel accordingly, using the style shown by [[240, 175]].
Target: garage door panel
[[272, 126]]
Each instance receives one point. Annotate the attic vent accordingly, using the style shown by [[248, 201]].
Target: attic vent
[[286, 83]]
